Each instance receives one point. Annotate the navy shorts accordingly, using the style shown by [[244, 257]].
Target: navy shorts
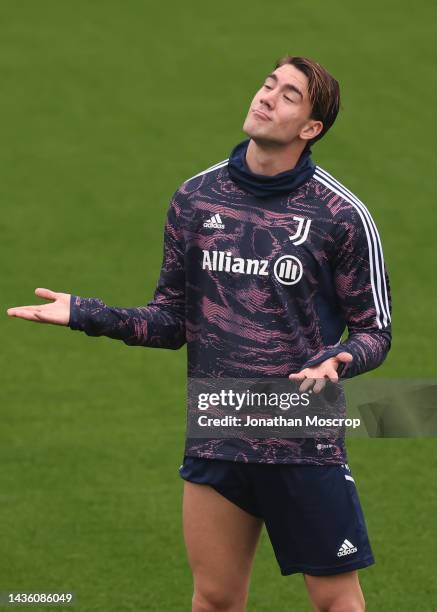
[[312, 513]]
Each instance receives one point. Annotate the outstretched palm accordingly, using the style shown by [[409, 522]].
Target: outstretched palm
[[57, 312]]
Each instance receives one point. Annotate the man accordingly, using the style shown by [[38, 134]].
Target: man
[[267, 259]]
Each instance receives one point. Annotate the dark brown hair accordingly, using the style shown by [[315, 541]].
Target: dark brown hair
[[323, 90]]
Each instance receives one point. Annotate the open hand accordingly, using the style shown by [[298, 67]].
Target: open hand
[[57, 312], [315, 378]]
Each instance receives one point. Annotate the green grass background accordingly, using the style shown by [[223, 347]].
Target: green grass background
[[105, 109]]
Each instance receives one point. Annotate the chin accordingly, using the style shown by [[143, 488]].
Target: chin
[[253, 129], [264, 140]]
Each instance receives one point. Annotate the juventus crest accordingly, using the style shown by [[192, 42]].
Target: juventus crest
[[303, 228]]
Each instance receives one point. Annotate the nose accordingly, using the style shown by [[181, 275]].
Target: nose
[[268, 98]]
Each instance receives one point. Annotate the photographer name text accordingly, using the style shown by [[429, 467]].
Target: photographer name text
[[277, 421]]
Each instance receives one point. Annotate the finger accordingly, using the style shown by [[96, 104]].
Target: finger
[[297, 376], [307, 384], [24, 312], [47, 294], [319, 385], [332, 375], [344, 357], [16, 310]]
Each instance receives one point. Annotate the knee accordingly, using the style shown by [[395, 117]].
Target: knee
[[217, 600], [345, 604]]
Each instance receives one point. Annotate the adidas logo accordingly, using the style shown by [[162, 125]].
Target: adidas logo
[[347, 548], [214, 222]]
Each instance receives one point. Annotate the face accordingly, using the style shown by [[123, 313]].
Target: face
[[279, 112]]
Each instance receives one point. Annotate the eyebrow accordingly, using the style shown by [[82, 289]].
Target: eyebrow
[[287, 85]]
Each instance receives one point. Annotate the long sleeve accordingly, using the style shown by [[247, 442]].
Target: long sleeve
[[363, 292], [161, 323]]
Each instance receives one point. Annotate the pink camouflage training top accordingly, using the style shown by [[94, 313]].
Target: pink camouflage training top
[[261, 275]]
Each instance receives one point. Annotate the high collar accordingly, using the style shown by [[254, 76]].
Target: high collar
[[263, 186]]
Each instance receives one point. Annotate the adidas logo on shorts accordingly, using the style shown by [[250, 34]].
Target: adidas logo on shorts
[[214, 222], [347, 548]]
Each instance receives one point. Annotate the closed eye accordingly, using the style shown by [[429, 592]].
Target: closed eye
[[286, 97]]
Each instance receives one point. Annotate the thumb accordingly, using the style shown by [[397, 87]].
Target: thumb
[[47, 294], [344, 357]]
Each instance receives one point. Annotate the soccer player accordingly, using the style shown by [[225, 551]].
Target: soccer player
[[267, 260]]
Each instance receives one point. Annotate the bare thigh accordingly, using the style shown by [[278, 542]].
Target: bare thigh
[[221, 541]]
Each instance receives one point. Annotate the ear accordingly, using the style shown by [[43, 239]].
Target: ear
[[311, 129]]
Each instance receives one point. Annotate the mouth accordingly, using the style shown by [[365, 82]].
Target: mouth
[[261, 115]]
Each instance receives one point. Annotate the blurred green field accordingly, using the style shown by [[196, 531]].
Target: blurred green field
[[105, 109]]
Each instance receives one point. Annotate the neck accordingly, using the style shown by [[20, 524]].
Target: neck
[[270, 159]]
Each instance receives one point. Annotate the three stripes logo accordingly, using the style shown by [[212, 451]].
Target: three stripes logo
[[376, 257], [215, 222], [347, 548]]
